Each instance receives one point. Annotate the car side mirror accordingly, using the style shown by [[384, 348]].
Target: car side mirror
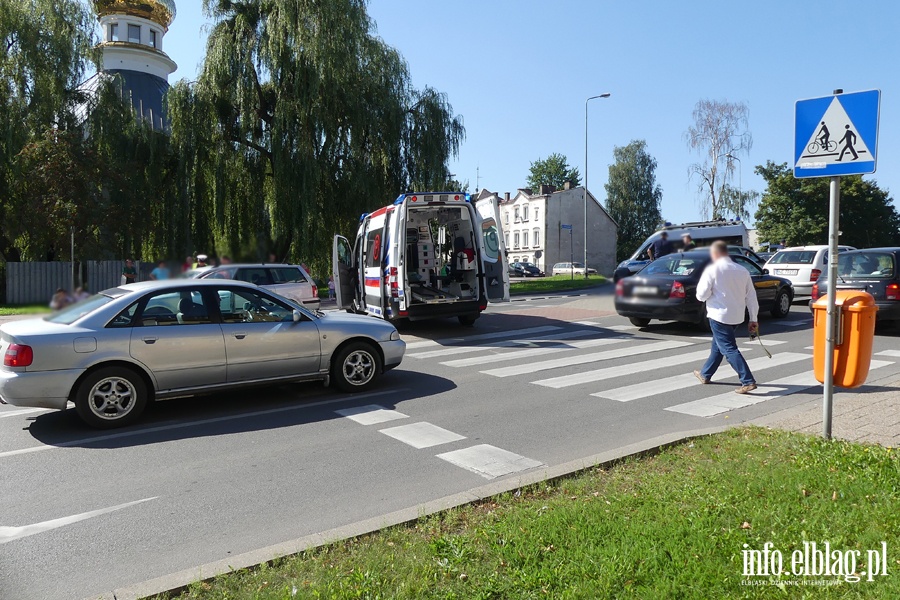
[[297, 316], [765, 271]]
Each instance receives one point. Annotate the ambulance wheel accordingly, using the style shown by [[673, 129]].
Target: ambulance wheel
[[467, 320]]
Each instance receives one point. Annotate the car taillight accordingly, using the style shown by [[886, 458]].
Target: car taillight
[[620, 288], [315, 291], [892, 292], [18, 355], [814, 274], [815, 291], [677, 290]]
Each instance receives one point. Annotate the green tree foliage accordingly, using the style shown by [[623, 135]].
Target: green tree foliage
[[553, 170], [633, 196], [301, 120], [796, 210], [720, 136]]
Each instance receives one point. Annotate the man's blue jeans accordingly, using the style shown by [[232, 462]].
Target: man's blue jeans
[[724, 345]]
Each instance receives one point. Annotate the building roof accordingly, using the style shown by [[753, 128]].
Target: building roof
[[161, 12]]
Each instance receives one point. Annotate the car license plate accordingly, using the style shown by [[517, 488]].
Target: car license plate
[[645, 290], [786, 271]]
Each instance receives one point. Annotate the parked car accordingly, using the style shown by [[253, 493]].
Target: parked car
[[290, 281], [116, 351], [666, 290], [567, 268], [802, 265], [525, 269], [744, 251], [874, 271]]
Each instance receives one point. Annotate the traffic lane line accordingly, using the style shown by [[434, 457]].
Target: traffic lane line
[[26, 411], [185, 424]]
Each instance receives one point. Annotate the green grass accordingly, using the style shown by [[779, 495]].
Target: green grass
[[556, 283], [7, 310], [668, 526]]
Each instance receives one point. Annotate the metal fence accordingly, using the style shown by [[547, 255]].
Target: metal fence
[[36, 282]]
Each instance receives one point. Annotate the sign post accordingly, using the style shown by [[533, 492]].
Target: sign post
[[571, 250], [854, 117]]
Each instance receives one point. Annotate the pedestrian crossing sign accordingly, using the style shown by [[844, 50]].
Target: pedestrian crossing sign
[[836, 135]]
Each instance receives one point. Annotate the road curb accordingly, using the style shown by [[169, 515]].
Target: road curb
[[178, 581], [515, 294]]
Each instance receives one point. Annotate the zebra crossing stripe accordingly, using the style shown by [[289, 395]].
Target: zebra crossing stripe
[[621, 370], [481, 336], [448, 350], [679, 382], [531, 352], [888, 353]]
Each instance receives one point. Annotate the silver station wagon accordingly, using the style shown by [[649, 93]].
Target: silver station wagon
[[116, 351]]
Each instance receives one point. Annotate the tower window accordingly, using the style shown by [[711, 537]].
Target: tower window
[[114, 32], [153, 40], [134, 34]]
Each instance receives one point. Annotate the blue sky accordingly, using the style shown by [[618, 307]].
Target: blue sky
[[518, 72]]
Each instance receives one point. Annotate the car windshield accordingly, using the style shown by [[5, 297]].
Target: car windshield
[[866, 265], [675, 265], [794, 257], [73, 312]]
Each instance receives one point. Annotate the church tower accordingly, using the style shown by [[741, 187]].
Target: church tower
[[132, 45]]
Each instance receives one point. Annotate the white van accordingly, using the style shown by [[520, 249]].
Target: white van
[[427, 255], [733, 233]]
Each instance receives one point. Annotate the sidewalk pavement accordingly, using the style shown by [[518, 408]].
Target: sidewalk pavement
[[869, 414]]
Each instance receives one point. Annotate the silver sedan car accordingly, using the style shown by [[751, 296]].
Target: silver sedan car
[[116, 351]]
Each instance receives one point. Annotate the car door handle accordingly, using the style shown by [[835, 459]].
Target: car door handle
[[239, 336], [149, 340]]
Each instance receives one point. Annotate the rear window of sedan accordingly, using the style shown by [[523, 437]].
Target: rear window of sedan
[[866, 265], [794, 257], [73, 312], [674, 265]]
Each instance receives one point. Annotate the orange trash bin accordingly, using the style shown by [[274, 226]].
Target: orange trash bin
[[855, 333]]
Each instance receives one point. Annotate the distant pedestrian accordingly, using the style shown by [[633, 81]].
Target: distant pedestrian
[[81, 294], [60, 299], [688, 243], [728, 291], [331, 287], [226, 260], [661, 247], [188, 264], [161, 272], [202, 261], [129, 273]]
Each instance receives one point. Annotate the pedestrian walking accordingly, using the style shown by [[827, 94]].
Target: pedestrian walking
[[728, 291], [129, 273], [331, 287]]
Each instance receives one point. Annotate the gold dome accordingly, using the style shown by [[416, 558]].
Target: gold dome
[[161, 12]]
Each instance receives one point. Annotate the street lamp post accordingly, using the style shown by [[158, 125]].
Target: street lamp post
[[606, 95]]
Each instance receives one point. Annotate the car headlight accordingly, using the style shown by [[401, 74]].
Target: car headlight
[[395, 335]]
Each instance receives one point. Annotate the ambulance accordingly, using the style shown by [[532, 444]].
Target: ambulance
[[426, 256]]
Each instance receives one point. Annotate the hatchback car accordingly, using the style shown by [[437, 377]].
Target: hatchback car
[[290, 281], [568, 268], [802, 265], [116, 351], [666, 290], [874, 271], [525, 269]]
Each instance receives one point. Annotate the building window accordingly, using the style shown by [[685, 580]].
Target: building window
[[114, 32], [154, 42], [134, 34], [516, 241], [506, 216], [524, 239], [525, 213], [517, 214], [506, 240], [536, 217], [536, 238]]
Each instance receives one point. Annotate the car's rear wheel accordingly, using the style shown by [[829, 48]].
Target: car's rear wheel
[[782, 305], [356, 367], [467, 320], [639, 322], [111, 397]]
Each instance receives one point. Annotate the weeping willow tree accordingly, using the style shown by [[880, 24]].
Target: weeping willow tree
[[302, 118]]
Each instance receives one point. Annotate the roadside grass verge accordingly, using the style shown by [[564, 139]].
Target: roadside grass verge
[[671, 525], [8, 310], [556, 283]]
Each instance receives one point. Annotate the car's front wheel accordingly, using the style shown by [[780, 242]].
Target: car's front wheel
[[782, 305], [111, 397], [356, 367]]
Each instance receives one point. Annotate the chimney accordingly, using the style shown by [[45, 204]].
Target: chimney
[[547, 189], [567, 185], [506, 196]]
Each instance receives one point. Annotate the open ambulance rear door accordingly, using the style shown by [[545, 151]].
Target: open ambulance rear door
[[343, 270], [493, 250]]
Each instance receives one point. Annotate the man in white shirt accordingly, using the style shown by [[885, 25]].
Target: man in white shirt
[[728, 291]]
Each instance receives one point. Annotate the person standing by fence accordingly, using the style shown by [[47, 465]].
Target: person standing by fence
[[129, 273], [160, 273]]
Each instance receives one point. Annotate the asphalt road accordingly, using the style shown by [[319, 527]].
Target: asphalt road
[[540, 381]]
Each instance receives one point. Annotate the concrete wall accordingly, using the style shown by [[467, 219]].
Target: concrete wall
[[567, 207]]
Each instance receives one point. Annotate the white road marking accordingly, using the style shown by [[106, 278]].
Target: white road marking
[[705, 338], [621, 370], [186, 424], [714, 405], [489, 461], [794, 323], [621, 327], [679, 382], [588, 323], [450, 350], [371, 414], [26, 411], [766, 342], [888, 353], [530, 352], [810, 348], [9, 534], [529, 368], [422, 435], [481, 336]]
